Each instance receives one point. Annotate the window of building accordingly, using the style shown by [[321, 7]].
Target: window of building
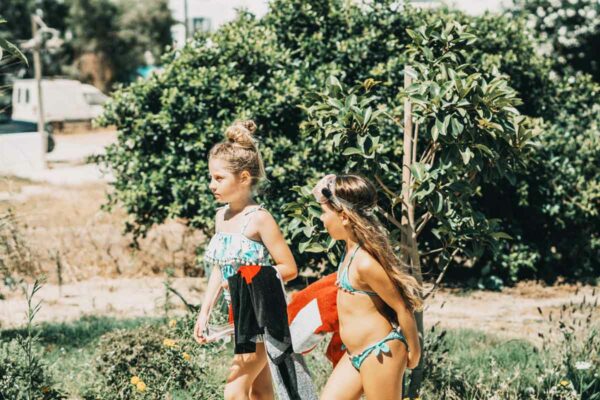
[[201, 24]]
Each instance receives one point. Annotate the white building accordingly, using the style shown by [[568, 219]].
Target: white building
[[208, 15]]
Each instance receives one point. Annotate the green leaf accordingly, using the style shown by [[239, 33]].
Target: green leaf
[[418, 170], [367, 116], [350, 151], [466, 155], [434, 132], [333, 82], [335, 103], [315, 248], [438, 202], [501, 235], [485, 149], [302, 246], [12, 49], [456, 127]]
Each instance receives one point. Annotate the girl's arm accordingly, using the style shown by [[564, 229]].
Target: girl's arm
[[213, 290], [272, 238], [372, 273]]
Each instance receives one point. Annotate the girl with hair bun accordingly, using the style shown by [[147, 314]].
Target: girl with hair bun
[[249, 261], [376, 297]]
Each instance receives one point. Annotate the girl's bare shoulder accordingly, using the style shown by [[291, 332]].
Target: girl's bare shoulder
[[366, 264], [220, 214], [263, 220]]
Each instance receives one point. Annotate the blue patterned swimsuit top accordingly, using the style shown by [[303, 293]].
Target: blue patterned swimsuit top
[[232, 250], [343, 280]]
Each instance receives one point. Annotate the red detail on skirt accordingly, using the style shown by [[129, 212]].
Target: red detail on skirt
[[249, 272], [230, 317]]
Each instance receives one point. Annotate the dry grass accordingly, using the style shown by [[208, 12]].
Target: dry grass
[[71, 238]]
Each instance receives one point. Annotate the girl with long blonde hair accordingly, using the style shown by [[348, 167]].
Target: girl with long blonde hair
[[376, 297]]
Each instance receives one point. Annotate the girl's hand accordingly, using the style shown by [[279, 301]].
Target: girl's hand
[[200, 328], [225, 285], [413, 360]]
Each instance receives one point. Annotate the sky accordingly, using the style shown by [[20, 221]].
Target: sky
[[221, 11]]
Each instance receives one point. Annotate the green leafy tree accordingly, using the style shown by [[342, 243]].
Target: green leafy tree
[[461, 128], [115, 33], [118, 34]]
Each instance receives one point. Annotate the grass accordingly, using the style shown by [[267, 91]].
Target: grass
[[78, 334], [69, 348], [486, 358], [476, 365]]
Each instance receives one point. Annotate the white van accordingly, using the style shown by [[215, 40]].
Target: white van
[[65, 100]]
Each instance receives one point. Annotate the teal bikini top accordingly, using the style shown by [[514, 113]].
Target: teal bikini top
[[231, 250], [343, 281]]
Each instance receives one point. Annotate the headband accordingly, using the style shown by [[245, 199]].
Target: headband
[[324, 191]]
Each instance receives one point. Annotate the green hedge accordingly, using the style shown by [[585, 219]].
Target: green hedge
[[267, 69]]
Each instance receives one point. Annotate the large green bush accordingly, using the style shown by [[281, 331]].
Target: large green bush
[[266, 69]]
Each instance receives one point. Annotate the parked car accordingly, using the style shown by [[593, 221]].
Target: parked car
[[15, 127]]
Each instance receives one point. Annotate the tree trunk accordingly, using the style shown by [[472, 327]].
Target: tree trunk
[[410, 253]]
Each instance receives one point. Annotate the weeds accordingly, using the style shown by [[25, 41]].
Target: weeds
[[16, 256], [23, 372]]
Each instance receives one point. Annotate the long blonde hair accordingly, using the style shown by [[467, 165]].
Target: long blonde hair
[[240, 151], [372, 235]]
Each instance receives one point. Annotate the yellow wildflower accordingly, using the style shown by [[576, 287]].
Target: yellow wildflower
[[45, 389], [172, 323], [170, 342], [564, 383], [186, 356], [134, 380], [141, 386]]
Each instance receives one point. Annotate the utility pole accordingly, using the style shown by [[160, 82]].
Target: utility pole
[[36, 44], [37, 66], [186, 21]]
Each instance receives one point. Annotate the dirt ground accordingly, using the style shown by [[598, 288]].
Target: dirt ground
[[512, 313], [67, 238]]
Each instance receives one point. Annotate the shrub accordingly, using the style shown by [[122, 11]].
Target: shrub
[[150, 362], [20, 379], [23, 372]]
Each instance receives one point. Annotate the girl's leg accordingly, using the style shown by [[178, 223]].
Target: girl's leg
[[344, 382], [262, 387], [243, 372], [381, 375]]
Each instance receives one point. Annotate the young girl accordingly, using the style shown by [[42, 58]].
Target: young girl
[[375, 295], [250, 260]]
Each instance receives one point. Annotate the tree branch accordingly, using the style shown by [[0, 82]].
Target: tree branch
[[426, 219], [414, 149], [385, 187], [430, 252], [441, 276]]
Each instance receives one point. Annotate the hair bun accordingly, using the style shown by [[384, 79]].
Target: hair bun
[[240, 132]]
